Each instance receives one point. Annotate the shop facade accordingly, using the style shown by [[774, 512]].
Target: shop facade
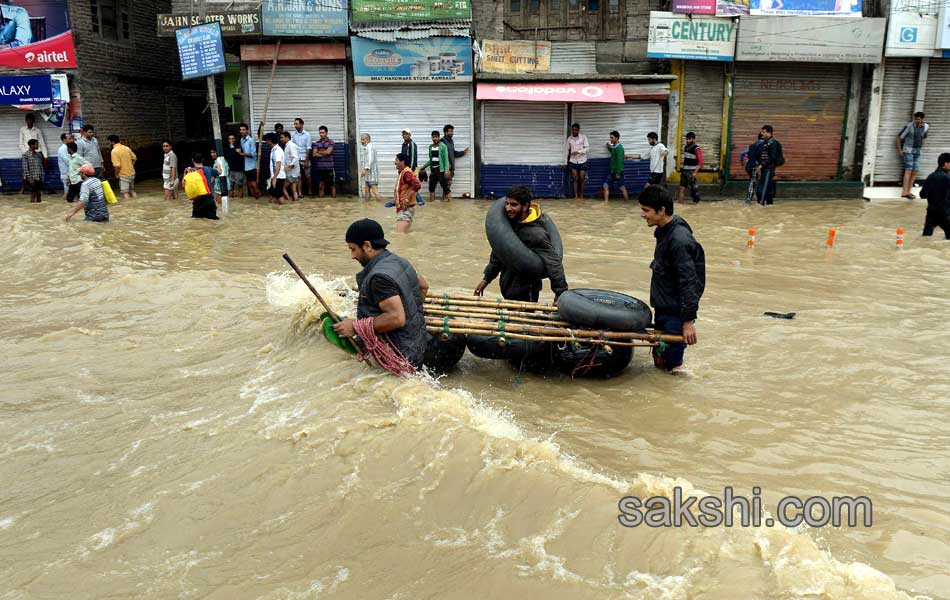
[[420, 86], [543, 112]]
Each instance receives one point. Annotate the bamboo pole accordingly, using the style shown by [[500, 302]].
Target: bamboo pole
[[490, 315], [460, 300], [519, 336], [578, 334], [260, 128]]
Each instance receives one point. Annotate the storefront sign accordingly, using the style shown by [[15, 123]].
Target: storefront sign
[[60, 100], [696, 38], [694, 7], [814, 39], [26, 89], [201, 51], [732, 8], [415, 10], [431, 59], [825, 8], [325, 18], [542, 91], [515, 57], [943, 29], [36, 35], [233, 24], [911, 34]]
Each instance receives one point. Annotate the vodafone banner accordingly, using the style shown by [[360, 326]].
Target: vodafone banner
[[35, 34], [575, 91]]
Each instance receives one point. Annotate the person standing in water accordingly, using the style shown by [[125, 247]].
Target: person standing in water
[[404, 197], [937, 192], [577, 148], [527, 221], [692, 162], [391, 293], [92, 198], [369, 167], [679, 274], [658, 154]]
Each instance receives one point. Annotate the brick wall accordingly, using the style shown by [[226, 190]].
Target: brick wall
[[132, 88]]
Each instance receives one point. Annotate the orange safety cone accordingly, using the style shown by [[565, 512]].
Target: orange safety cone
[[751, 242], [900, 238], [831, 237]]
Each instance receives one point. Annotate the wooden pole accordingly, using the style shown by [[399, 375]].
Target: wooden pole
[[491, 315], [478, 301], [578, 334], [260, 127], [519, 336]]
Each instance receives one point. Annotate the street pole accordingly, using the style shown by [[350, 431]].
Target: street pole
[[212, 93]]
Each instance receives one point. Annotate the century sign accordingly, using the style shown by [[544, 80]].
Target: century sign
[[696, 38]]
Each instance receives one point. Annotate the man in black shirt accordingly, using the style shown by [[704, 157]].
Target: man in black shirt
[[235, 165], [769, 157], [390, 292], [937, 192], [679, 274]]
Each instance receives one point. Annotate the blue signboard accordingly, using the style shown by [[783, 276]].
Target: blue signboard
[[431, 59], [816, 8], [26, 89], [200, 51], [325, 18]]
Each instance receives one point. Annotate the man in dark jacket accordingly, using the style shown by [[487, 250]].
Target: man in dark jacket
[[528, 223], [390, 292], [767, 160], [937, 192], [679, 274]]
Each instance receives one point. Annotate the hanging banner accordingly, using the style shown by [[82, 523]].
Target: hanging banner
[[57, 111], [233, 24], [26, 89], [515, 57], [542, 91], [368, 11], [201, 51], [431, 59], [694, 7], [696, 38], [814, 39], [732, 8], [323, 18], [824, 8], [35, 34]]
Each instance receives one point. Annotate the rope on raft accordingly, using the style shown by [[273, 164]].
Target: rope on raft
[[388, 357]]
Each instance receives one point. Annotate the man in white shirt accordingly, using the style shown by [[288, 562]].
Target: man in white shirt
[[658, 154], [577, 148], [303, 140], [278, 176], [29, 132], [291, 166], [62, 156]]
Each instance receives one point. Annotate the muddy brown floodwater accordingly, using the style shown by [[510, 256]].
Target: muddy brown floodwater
[[172, 425]]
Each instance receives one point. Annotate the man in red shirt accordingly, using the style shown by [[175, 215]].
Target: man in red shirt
[[404, 197]]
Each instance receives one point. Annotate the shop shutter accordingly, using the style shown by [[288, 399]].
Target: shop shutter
[[384, 110], [702, 109], [11, 164], [315, 93], [524, 133], [897, 108], [806, 105], [578, 58], [935, 103], [633, 120], [523, 143]]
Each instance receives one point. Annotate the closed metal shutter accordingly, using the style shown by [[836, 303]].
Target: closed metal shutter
[[897, 108], [384, 110], [633, 121], [579, 58], [806, 105], [523, 143], [11, 163], [315, 93], [702, 109], [524, 133], [935, 102]]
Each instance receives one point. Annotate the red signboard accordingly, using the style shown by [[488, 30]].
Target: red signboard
[[542, 91], [35, 34]]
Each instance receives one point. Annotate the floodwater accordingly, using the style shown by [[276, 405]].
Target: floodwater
[[172, 426]]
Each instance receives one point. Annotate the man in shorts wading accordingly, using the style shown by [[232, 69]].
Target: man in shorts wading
[[169, 171], [658, 154], [910, 143], [438, 164], [303, 141], [577, 150], [404, 196], [249, 152], [123, 161]]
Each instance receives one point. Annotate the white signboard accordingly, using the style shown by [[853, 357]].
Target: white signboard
[[693, 38], [911, 34], [811, 39], [943, 33]]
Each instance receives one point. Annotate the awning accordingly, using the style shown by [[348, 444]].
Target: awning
[[647, 91], [541, 91], [294, 53]]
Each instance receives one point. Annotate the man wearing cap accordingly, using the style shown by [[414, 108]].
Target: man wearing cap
[[390, 292], [92, 198]]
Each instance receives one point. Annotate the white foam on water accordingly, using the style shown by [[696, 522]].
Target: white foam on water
[[286, 290], [315, 589], [7, 522], [138, 517]]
